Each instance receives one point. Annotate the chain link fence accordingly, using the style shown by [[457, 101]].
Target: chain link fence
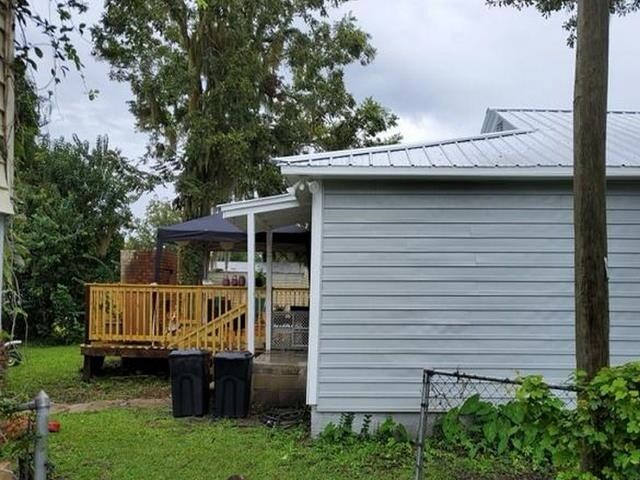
[[443, 391]]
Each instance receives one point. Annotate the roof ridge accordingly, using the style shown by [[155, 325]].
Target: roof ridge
[[557, 110], [399, 146]]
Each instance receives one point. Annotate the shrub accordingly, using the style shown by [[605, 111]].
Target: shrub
[[607, 419], [16, 435], [538, 428]]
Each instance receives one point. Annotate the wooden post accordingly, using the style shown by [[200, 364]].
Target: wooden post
[[87, 314], [589, 187]]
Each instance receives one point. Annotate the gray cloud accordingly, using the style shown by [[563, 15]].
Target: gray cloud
[[440, 64]]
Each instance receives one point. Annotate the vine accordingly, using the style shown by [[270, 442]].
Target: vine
[[539, 428]]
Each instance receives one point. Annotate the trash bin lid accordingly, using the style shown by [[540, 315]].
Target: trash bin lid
[[188, 353], [234, 355]]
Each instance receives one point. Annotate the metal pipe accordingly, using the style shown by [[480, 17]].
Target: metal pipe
[[42, 406], [422, 427]]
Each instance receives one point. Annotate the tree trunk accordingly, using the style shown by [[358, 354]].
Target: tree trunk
[[589, 189]]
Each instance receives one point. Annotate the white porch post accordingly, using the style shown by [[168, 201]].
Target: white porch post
[[251, 282], [315, 298], [268, 305]]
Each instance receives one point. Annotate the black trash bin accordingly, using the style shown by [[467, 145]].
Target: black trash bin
[[232, 384], [190, 379]]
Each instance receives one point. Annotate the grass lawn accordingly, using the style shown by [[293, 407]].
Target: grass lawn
[[133, 444], [140, 443], [57, 371]]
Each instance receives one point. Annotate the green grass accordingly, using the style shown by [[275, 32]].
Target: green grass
[[57, 371], [128, 443], [132, 444]]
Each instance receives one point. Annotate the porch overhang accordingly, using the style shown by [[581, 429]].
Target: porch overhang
[[264, 215], [290, 208]]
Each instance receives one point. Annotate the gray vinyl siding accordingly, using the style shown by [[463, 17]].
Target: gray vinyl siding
[[476, 277]]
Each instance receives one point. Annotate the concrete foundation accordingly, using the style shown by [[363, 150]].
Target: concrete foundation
[[279, 380]]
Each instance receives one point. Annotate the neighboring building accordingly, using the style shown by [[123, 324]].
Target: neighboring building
[[7, 109], [285, 274], [451, 255]]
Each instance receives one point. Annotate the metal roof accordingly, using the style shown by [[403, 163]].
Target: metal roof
[[518, 142]]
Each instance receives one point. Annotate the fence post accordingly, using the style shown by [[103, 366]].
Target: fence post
[[42, 404], [422, 427]]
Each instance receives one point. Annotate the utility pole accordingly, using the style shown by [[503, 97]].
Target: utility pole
[[589, 193]]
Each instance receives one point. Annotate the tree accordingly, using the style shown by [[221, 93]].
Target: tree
[[73, 202], [549, 7], [158, 213], [55, 29], [223, 85]]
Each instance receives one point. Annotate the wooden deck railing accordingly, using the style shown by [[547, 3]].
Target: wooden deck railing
[[285, 298], [226, 332], [176, 316]]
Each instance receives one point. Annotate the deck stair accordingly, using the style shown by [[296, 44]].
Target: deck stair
[[225, 332]]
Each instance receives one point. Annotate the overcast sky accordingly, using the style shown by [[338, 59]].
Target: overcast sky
[[440, 64]]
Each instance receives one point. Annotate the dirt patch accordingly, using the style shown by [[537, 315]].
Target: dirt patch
[[100, 405]]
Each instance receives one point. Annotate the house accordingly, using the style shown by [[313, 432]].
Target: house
[[7, 127], [455, 254]]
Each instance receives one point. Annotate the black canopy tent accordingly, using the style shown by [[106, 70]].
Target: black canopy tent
[[220, 234]]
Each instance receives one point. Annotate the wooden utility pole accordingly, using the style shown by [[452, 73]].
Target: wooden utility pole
[[590, 186], [589, 192]]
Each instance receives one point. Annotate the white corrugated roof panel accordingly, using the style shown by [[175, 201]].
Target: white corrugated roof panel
[[523, 140]]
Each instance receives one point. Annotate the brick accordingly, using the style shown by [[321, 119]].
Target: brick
[[137, 267]]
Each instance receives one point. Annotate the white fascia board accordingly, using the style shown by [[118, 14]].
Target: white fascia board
[[447, 173], [259, 205]]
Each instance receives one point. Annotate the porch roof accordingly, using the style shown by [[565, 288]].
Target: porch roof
[[271, 213]]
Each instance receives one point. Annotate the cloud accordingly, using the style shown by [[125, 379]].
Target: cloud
[[440, 64]]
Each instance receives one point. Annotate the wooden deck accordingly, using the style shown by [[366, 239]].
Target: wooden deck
[[130, 320]]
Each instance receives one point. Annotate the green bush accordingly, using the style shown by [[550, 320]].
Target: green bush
[[608, 419], [538, 428]]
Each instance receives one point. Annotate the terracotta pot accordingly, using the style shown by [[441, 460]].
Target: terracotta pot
[[242, 281], [226, 282], [54, 426], [234, 281]]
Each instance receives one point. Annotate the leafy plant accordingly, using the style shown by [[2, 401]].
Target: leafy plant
[[16, 435], [614, 395], [365, 429], [389, 443], [340, 433], [390, 431], [538, 428]]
